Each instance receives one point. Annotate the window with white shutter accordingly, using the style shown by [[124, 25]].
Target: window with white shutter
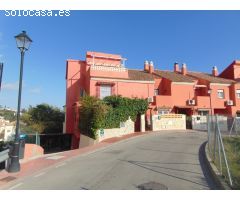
[[105, 90]]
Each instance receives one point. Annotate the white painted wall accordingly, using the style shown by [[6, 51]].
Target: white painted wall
[[125, 128], [199, 122], [8, 131], [168, 122], [142, 127], [86, 141]]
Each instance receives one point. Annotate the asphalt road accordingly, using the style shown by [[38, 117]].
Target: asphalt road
[[166, 160]]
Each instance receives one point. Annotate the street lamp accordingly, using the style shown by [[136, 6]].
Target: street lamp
[[23, 44]]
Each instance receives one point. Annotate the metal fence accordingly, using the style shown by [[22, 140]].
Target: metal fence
[[51, 142], [222, 129], [33, 139]]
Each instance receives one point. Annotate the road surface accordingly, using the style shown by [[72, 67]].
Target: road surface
[[160, 160]]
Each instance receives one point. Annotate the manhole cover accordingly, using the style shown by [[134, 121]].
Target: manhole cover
[[8, 179], [152, 186]]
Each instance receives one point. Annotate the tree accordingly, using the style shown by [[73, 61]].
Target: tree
[[8, 115], [42, 119]]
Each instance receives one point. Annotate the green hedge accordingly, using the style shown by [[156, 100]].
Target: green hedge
[[107, 113]]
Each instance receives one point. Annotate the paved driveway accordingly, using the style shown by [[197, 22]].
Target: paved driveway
[[167, 159]]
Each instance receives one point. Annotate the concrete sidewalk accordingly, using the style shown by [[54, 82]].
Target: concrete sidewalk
[[32, 166]]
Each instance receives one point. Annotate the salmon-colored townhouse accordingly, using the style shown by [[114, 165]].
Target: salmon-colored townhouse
[[174, 91]]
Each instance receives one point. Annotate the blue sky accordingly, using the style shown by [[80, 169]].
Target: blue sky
[[201, 39]]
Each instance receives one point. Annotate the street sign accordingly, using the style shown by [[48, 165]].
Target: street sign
[[101, 132]]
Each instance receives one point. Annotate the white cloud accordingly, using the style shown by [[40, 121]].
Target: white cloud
[[35, 90], [10, 86]]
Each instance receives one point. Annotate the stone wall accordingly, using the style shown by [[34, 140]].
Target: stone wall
[[86, 141], [168, 122], [125, 128], [32, 150]]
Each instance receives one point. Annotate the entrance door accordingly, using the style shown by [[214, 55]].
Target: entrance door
[[188, 117], [137, 123]]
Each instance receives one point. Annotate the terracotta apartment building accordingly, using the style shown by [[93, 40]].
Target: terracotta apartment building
[[178, 90]]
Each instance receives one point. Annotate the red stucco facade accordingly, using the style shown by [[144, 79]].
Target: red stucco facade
[[170, 90]]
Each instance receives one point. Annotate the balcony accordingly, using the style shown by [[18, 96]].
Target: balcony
[[201, 101], [204, 102]]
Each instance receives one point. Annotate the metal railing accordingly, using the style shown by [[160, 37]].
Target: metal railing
[[4, 155], [235, 128], [216, 146]]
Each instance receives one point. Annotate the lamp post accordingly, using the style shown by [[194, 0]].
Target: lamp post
[[23, 44]]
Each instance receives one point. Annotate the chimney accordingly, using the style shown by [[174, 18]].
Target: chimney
[[184, 69], [151, 67], [146, 66], [176, 67], [214, 71]]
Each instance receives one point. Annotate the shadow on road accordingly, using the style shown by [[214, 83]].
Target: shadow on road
[[160, 150], [144, 165]]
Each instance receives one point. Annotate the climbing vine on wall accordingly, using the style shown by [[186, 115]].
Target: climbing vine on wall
[[107, 113]]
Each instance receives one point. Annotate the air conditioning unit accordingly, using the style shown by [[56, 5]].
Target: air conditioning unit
[[229, 103], [191, 102], [150, 99]]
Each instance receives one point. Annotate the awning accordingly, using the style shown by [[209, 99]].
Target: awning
[[184, 107], [164, 108], [105, 83], [204, 109], [200, 86]]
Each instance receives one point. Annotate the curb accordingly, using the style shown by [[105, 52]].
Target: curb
[[77, 152], [218, 179]]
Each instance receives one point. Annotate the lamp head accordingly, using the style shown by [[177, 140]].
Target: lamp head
[[23, 41]]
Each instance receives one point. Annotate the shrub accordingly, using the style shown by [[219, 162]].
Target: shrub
[[107, 113], [92, 115]]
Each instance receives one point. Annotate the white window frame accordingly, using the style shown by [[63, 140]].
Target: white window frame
[[108, 93], [219, 92], [163, 112], [156, 92], [238, 93], [201, 112]]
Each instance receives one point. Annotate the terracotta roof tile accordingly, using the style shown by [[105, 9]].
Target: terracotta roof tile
[[136, 75], [140, 75], [174, 77], [210, 78]]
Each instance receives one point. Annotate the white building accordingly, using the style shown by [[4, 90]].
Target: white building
[[7, 129]]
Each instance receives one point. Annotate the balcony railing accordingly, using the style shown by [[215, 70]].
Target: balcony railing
[[200, 101]]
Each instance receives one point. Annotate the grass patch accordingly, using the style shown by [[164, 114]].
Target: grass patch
[[232, 148]]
